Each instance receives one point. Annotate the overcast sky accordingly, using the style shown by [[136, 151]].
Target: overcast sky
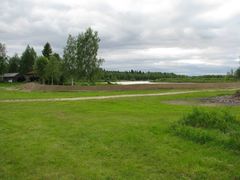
[[181, 36]]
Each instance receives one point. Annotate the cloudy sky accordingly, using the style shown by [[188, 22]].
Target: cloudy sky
[[181, 36]]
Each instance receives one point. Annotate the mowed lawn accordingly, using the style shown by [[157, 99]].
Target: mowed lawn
[[125, 138]]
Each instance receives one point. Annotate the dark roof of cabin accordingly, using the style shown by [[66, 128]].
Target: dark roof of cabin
[[10, 75]]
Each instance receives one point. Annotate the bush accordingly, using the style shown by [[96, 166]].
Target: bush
[[234, 141], [219, 127], [220, 120]]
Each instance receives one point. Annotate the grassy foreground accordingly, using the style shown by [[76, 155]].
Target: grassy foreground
[[107, 139]]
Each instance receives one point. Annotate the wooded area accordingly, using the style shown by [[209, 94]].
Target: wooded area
[[79, 61]]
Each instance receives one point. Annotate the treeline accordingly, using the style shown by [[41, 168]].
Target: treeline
[[166, 77], [134, 75], [79, 61]]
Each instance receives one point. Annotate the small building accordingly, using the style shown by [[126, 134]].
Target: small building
[[11, 77], [31, 76]]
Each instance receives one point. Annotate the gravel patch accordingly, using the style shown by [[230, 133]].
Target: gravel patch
[[226, 100]]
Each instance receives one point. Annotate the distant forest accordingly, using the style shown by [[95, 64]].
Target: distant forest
[[165, 77]]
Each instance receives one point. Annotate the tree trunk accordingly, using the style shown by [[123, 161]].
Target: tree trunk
[[52, 80]]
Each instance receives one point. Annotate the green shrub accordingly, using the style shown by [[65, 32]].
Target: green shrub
[[220, 120], [200, 126], [234, 140]]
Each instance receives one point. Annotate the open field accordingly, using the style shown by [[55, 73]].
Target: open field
[[125, 138]]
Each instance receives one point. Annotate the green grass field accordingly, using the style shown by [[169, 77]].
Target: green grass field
[[124, 138]]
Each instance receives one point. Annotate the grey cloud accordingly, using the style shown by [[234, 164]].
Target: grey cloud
[[123, 32]]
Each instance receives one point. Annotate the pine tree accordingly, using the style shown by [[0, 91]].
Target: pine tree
[[14, 64], [47, 50], [27, 60]]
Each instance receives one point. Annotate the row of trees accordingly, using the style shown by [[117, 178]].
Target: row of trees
[[235, 73], [163, 76], [79, 62], [135, 75], [29, 62], [15, 63]]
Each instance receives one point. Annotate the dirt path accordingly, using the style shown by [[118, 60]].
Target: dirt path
[[105, 97]]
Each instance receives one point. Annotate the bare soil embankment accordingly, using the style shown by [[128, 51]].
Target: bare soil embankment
[[40, 87]]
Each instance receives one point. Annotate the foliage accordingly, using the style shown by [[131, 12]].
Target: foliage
[[40, 68], [162, 77], [234, 141], [3, 59], [201, 126], [221, 120], [87, 48], [27, 60], [3, 65], [80, 56], [57, 56], [14, 64], [237, 73], [47, 50], [3, 52], [69, 58], [134, 75], [53, 69]]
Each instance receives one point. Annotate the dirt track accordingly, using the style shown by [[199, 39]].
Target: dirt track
[[101, 97], [39, 87]]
